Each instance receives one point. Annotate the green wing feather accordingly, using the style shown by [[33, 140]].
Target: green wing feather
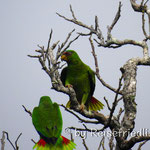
[[91, 76], [63, 75], [94, 104]]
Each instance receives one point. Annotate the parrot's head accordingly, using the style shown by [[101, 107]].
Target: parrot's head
[[45, 101], [69, 56]]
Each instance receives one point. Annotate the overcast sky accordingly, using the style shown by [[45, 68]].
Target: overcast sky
[[25, 24]]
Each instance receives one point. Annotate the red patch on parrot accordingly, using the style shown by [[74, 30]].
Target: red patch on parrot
[[65, 140], [67, 53], [93, 100], [41, 142]]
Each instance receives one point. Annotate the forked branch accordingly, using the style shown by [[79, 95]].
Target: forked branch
[[14, 146]]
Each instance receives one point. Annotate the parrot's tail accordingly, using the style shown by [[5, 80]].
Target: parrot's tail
[[67, 144], [41, 145], [95, 104]]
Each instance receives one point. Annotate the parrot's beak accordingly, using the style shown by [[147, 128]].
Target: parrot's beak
[[64, 57]]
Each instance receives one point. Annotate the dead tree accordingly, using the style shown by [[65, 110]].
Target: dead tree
[[126, 90]]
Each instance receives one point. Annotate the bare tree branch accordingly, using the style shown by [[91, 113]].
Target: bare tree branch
[[84, 143], [130, 143], [9, 140], [50, 37], [73, 15], [119, 114], [108, 106], [118, 14], [95, 31], [33, 141], [115, 102], [141, 144], [143, 26], [113, 106], [137, 7], [28, 111], [60, 51], [80, 129], [97, 68], [80, 119], [102, 143], [143, 8], [15, 147], [16, 142], [3, 141], [111, 142]]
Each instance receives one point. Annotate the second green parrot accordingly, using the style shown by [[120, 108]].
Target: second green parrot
[[82, 78], [47, 121]]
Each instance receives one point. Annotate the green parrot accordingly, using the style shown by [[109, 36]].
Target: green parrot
[[82, 78], [47, 120]]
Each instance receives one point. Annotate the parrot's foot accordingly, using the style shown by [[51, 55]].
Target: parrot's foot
[[82, 107], [69, 86]]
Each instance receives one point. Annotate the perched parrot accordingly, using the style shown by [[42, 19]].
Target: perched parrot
[[82, 78], [47, 121]]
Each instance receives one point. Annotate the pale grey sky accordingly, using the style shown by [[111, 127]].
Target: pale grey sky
[[27, 23]]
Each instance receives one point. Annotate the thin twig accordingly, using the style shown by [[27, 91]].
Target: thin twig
[[97, 68], [141, 144], [113, 106], [83, 140], [118, 14], [102, 143], [111, 142], [68, 37], [34, 56], [81, 120], [119, 114], [49, 40], [143, 26], [16, 142], [61, 48], [71, 43], [146, 2], [84, 143], [108, 106], [9, 140], [73, 15], [33, 141], [80, 129], [3, 141], [28, 111], [16, 147], [115, 101]]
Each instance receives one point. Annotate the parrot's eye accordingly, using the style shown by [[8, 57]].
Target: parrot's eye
[[67, 53]]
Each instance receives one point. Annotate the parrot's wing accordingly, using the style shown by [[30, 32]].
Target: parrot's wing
[[94, 104], [57, 119], [67, 144], [91, 77], [63, 75]]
